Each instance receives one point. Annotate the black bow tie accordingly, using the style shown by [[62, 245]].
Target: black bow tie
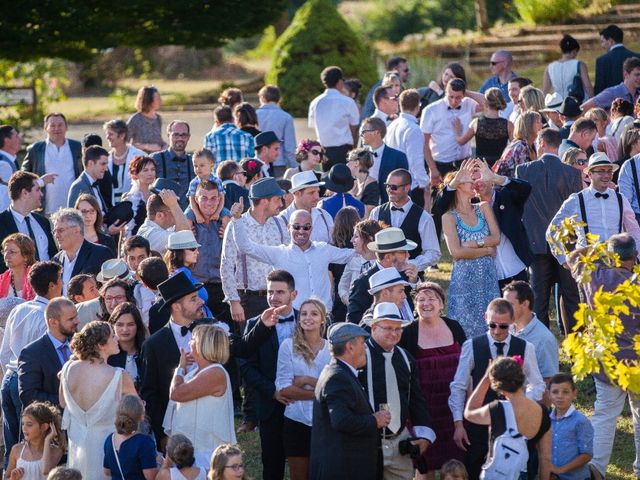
[[185, 330], [285, 320], [389, 118], [456, 108], [375, 154], [397, 209], [602, 195], [95, 184]]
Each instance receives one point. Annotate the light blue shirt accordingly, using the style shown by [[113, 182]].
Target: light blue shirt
[[494, 81], [546, 345], [627, 186], [272, 118], [571, 435], [57, 344]]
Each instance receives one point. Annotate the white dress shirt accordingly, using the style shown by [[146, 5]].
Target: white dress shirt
[[290, 365], [60, 161], [41, 240], [238, 271], [382, 116], [404, 134], [25, 324], [374, 171], [332, 115], [67, 269], [603, 217], [95, 191], [462, 380], [430, 247], [437, 120], [182, 342], [321, 220], [354, 268], [310, 268], [157, 236]]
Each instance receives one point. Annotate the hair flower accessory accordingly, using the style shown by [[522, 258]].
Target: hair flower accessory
[[306, 145], [519, 360], [252, 165]]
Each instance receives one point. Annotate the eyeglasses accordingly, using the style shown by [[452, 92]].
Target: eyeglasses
[[237, 467], [241, 172], [317, 152], [493, 64], [62, 229], [603, 172], [393, 188], [501, 326], [306, 227], [391, 329], [362, 132], [115, 298], [181, 135]]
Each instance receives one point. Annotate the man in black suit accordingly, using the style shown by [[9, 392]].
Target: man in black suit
[[56, 154], [344, 434], [551, 184], [507, 196], [95, 161], [609, 65], [259, 372], [392, 250], [40, 361], [76, 254], [26, 197], [161, 351]]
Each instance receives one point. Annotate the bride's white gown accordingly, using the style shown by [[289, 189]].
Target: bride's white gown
[[88, 430]]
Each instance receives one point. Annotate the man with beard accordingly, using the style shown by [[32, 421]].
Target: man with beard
[[40, 361]]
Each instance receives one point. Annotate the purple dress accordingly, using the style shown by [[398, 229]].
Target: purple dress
[[436, 368]]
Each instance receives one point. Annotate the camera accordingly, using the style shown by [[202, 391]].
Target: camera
[[407, 448]]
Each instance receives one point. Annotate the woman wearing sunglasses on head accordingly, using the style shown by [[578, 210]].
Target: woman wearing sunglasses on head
[[309, 155], [577, 159]]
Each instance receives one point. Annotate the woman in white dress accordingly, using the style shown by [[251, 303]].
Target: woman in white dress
[[90, 390], [203, 409], [558, 76]]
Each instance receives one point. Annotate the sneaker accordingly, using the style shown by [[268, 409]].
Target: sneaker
[[247, 426]]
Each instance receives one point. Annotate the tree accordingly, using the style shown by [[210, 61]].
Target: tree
[[75, 29], [317, 38]]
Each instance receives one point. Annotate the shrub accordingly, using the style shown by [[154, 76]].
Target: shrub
[[547, 11], [317, 37]]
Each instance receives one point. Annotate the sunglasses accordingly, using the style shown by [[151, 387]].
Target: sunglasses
[[393, 188], [581, 161], [317, 152], [501, 326], [496, 63], [306, 227]]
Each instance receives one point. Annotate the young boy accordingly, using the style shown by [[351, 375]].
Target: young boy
[[203, 162], [572, 433]]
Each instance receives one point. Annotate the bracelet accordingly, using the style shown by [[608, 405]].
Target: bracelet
[[179, 372]]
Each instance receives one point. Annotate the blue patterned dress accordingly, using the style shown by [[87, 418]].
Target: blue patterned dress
[[474, 282]]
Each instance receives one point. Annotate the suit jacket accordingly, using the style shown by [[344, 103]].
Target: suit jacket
[[344, 437], [90, 258], [508, 207], [551, 184], [609, 68], [160, 357], [359, 298], [158, 318], [38, 367], [391, 159], [82, 185], [34, 160], [8, 226]]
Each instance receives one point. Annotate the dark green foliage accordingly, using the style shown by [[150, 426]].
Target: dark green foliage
[[317, 38], [75, 29]]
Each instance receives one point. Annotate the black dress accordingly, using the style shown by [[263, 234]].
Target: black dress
[[492, 136], [371, 194]]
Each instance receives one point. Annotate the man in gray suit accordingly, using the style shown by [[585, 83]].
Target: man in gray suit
[[551, 184], [95, 160]]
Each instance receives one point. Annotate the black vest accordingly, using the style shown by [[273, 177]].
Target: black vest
[[482, 355], [409, 225]]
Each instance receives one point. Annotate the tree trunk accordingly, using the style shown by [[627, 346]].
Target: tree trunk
[[482, 20]]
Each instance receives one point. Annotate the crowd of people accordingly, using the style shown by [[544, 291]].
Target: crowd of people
[[149, 296]]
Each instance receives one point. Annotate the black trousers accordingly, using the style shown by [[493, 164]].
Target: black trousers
[[545, 273], [477, 451], [523, 275], [333, 155], [272, 444]]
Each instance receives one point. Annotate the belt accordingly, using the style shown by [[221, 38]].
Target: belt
[[258, 293]]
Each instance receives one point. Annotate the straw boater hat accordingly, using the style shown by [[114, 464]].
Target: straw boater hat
[[387, 311], [304, 179], [391, 240]]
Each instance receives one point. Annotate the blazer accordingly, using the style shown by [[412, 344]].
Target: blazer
[[508, 207], [359, 298], [34, 160], [344, 436], [8, 226], [90, 258], [82, 185], [391, 159], [551, 184], [120, 360], [158, 318], [160, 357], [609, 68], [38, 368]]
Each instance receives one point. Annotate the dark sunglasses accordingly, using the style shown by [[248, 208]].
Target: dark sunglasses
[[581, 161], [306, 227], [501, 326], [393, 187], [317, 152], [496, 63]]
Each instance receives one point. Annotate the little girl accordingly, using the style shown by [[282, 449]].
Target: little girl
[[453, 470], [42, 447], [178, 465]]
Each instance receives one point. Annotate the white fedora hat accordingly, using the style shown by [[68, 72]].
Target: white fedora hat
[[304, 180], [182, 240], [387, 311], [385, 278], [391, 240]]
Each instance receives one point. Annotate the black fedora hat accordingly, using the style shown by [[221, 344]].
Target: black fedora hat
[[339, 179], [265, 139], [570, 107], [121, 212], [165, 184], [176, 287]]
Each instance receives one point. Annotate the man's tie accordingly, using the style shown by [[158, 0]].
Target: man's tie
[[499, 348], [64, 350], [393, 394], [397, 209], [602, 195], [32, 236]]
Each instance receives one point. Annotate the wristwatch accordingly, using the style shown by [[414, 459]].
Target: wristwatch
[[480, 243]]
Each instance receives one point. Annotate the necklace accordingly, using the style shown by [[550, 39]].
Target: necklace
[[120, 158]]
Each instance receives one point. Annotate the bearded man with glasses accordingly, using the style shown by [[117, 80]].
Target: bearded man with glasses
[[474, 359]]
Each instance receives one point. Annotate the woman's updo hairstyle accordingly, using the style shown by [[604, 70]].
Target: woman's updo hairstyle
[[86, 343], [506, 375], [128, 415], [569, 44], [180, 450]]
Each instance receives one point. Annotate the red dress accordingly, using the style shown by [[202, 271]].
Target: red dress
[[436, 368]]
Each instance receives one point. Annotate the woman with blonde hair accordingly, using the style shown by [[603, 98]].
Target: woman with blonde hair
[[365, 188], [300, 361], [603, 142], [145, 126], [19, 253], [202, 406], [522, 147], [576, 158], [227, 463], [492, 133]]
